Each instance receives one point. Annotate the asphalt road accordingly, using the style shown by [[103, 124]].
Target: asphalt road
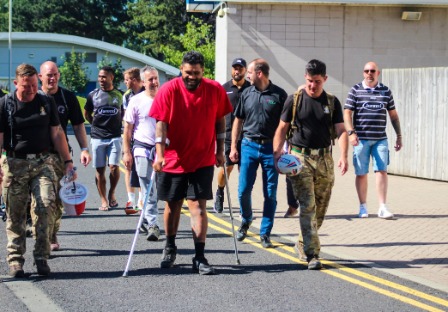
[[87, 272]]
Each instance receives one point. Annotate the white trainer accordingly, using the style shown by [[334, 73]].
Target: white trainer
[[384, 213], [363, 211]]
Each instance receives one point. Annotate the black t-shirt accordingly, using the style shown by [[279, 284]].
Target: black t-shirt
[[32, 122], [312, 120], [234, 94], [68, 108], [260, 111]]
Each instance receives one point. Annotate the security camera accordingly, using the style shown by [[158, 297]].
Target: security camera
[[221, 12]]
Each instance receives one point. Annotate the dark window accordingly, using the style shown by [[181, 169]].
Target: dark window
[[90, 56]]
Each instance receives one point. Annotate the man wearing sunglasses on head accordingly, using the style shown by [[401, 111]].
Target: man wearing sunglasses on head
[[365, 117]]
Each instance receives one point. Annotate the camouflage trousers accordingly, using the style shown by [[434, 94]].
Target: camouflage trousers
[[55, 217], [20, 177], [312, 188]]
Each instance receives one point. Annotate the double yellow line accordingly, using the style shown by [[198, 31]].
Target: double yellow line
[[357, 277], [371, 282]]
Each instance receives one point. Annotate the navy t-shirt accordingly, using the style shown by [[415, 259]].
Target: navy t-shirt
[[107, 111]]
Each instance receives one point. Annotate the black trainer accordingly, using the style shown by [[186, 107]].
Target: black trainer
[[201, 266], [266, 241], [219, 201], [168, 257], [42, 267], [143, 227], [241, 234]]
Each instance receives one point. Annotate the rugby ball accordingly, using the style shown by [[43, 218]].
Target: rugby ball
[[289, 164]]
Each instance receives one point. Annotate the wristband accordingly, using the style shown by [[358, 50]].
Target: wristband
[[158, 140], [68, 161], [84, 149], [221, 136]]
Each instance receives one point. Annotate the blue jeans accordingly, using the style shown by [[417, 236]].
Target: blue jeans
[[252, 155], [143, 166]]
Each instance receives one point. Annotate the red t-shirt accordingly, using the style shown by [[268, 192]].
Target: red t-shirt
[[191, 117]]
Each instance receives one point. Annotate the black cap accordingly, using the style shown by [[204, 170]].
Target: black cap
[[239, 61]]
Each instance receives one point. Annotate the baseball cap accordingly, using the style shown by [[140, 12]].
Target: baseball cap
[[239, 61]]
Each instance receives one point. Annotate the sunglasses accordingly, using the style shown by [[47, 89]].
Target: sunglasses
[[372, 71]]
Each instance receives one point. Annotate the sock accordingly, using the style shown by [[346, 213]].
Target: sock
[[171, 241], [199, 249], [220, 190], [364, 205], [131, 198], [140, 197]]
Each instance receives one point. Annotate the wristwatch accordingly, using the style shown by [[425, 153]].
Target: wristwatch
[[350, 132]]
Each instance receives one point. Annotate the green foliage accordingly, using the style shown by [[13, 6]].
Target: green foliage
[[118, 69], [98, 19], [74, 75], [197, 37], [153, 22]]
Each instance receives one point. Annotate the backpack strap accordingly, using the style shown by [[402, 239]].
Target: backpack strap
[[295, 107], [7, 106], [331, 127]]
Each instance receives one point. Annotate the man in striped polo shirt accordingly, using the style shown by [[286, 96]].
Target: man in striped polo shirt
[[365, 118]]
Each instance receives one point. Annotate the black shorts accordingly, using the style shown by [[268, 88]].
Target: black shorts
[[227, 153], [192, 185]]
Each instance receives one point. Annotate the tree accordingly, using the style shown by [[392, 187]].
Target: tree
[[74, 75], [153, 23], [197, 37], [99, 19], [118, 69]]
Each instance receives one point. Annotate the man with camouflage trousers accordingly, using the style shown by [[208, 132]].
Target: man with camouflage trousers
[[29, 124], [314, 123]]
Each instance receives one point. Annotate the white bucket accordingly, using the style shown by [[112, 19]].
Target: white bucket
[[73, 196]]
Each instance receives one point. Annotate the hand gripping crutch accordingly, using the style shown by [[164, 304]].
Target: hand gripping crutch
[[140, 220], [231, 213]]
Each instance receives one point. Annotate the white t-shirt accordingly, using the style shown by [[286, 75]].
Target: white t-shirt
[[137, 114]]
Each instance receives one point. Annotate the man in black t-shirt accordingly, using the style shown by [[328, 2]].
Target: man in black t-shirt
[[68, 110], [234, 87], [29, 127], [311, 144]]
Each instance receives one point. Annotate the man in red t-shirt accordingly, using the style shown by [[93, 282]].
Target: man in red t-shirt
[[190, 112]]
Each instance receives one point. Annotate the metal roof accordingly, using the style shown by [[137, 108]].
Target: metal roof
[[91, 43]]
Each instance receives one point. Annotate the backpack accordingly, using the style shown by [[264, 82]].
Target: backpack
[[297, 101]]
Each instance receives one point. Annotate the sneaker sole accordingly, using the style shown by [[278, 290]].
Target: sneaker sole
[[363, 216], [315, 267], [166, 265], [152, 238]]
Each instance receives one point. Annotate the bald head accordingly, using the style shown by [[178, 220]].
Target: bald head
[[371, 74], [49, 76]]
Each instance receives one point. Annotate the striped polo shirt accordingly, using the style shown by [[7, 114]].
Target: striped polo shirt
[[370, 106]]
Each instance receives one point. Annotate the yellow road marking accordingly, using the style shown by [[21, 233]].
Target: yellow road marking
[[253, 240]]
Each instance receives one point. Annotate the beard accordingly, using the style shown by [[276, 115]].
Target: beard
[[238, 78], [191, 84]]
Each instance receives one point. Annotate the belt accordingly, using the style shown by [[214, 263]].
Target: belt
[[311, 151], [259, 141], [25, 156]]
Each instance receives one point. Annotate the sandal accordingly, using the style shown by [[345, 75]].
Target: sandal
[[113, 203], [103, 208]]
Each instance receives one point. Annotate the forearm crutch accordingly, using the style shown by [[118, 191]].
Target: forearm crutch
[[140, 220], [231, 213]]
